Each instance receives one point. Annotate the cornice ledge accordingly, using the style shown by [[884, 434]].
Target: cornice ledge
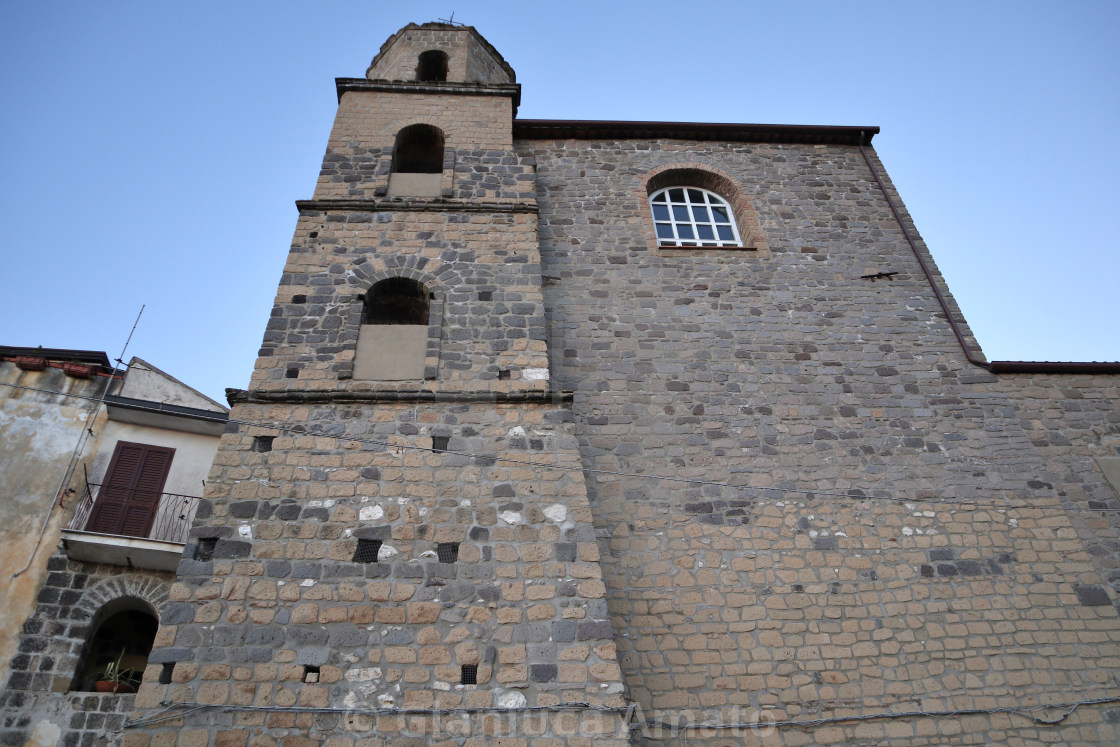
[[343, 396], [513, 90], [415, 206]]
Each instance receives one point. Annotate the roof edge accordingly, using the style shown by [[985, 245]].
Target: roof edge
[[540, 129], [1055, 367], [162, 408], [96, 357], [513, 90]]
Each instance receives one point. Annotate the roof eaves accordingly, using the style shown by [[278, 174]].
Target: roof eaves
[[1055, 367], [194, 413], [95, 357], [513, 90], [540, 129]]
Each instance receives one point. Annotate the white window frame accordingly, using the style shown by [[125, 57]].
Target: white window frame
[[677, 214]]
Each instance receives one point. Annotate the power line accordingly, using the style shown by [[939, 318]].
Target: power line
[[810, 493], [173, 711]]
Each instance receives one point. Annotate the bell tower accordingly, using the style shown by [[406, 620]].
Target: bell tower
[[397, 526], [420, 184]]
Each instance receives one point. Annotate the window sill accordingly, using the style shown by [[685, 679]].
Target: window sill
[[678, 247]]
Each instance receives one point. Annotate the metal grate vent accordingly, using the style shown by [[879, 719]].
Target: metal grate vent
[[439, 443], [367, 551], [469, 674], [166, 672], [448, 552]]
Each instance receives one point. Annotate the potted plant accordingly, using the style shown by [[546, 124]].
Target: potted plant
[[115, 678]]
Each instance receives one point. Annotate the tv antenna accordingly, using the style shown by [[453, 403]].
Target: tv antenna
[[450, 20]]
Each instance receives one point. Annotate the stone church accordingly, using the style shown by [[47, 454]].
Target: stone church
[[566, 432]]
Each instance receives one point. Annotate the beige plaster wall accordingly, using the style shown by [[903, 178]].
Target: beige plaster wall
[[147, 382], [189, 468], [38, 435]]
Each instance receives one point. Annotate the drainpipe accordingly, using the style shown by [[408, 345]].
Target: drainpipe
[[922, 263]]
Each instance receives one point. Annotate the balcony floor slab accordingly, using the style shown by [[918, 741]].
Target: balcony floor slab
[[131, 552]]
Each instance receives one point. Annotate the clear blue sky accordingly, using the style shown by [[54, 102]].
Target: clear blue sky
[[152, 152]]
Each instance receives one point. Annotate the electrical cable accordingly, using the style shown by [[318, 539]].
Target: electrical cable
[[171, 711], [165, 714], [810, 492], [291, 430], [1023, 711], [877, 550]]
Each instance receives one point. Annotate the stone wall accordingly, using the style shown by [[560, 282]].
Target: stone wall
[[810, 504], [1072, 420], [365, 130], [278, 579], [40, 703], [488, 289]]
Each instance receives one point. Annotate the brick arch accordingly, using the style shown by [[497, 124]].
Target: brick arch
[[709, 177], [400, 124], [123, 591], [153, 591], [430, 272], [436, 275]]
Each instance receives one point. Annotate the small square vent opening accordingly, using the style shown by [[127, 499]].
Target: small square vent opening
[[205, 549], [448, 552], [367, 551]]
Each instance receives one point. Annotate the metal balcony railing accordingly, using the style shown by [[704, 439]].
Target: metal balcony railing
[[171, 523]]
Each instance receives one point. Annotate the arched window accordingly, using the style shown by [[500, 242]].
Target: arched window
[[687, 216], [418, 150], [394, 335], [432, 66], [123, 633], [396, 301]]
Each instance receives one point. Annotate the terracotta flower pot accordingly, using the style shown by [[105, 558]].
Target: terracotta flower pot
[[108, 686]]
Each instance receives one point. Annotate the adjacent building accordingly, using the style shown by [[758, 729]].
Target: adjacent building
[[102, 470]]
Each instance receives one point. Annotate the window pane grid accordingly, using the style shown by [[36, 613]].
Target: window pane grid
[[692, 217]]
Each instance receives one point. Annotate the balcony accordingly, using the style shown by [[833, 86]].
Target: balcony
[[132, 528]]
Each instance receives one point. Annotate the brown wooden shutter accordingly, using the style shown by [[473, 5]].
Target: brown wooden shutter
[[129, 497]]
